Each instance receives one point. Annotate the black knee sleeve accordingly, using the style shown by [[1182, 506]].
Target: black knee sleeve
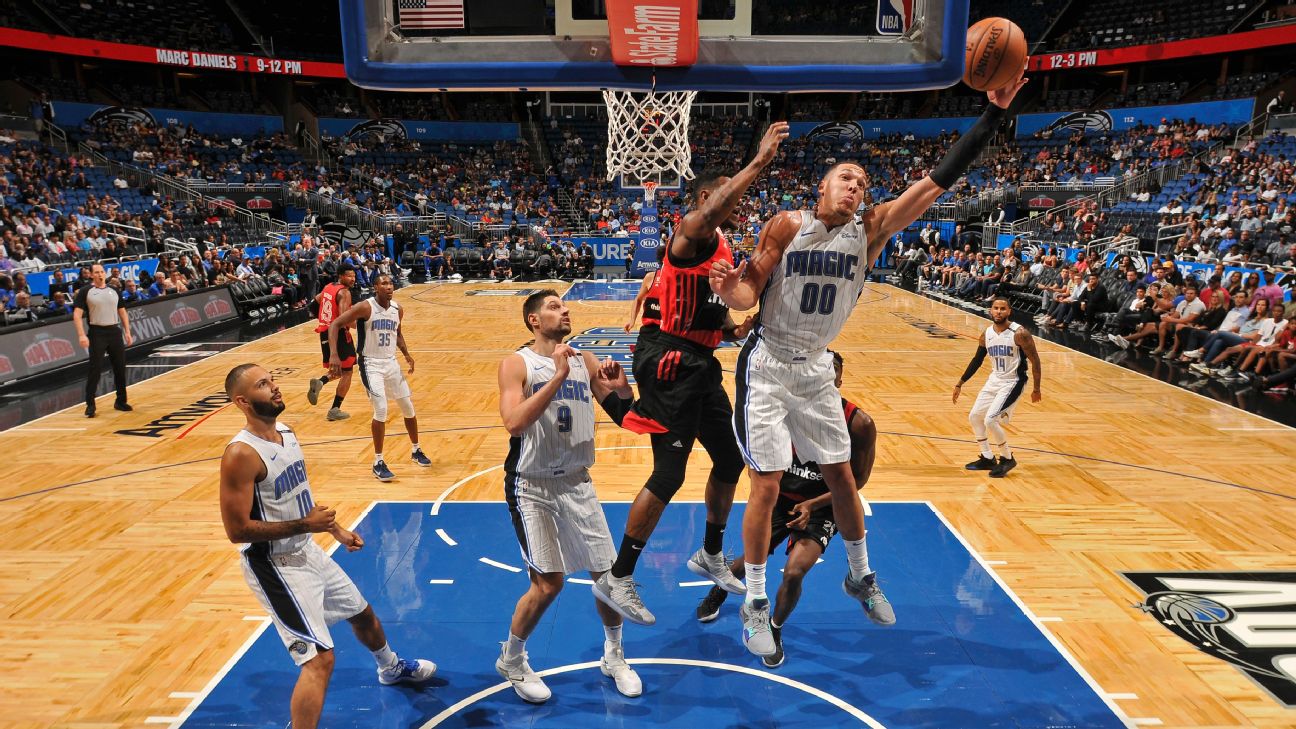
[[669, 465], [727, 464]]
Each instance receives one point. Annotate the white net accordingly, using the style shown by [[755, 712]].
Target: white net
[[648, 133]]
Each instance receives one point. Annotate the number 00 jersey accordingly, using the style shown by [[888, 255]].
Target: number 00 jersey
[[377, 334], [284, 494], [561, 441], [1005, 356], [811, 293]]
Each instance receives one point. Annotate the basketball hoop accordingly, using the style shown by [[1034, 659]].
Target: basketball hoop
[[648, 133], [650, 191]]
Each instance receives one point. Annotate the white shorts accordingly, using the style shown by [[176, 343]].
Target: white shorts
[[305, 592], [383, 379], [560, 524], [997, 399], [787, 402]]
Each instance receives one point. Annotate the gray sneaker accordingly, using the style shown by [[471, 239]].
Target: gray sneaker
[[337, 414], [870, 596], [312, 394], [620, 594], [757, 636], [716, 569]]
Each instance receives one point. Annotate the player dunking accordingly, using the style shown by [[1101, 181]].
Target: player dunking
[[681, 398], [803, 517], [267, 506], [1005, 342], [807, 273], [545, 392], [333, 301], [379, 332]]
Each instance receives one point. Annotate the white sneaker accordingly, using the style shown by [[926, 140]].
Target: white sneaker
[[615, 667], [1193, 354], [525, 682], [716, 569], [416, 670]]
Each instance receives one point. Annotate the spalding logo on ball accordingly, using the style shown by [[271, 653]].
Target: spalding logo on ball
[[996, 53]]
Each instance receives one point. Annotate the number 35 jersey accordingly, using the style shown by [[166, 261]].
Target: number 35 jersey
[[561, 441], [811, 293], [377, 334]]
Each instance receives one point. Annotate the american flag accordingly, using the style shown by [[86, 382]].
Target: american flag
[[428, 14]]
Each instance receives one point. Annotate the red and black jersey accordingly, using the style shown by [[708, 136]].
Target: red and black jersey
[[689, 309], [328, 306], [804, 480], [652, 304]]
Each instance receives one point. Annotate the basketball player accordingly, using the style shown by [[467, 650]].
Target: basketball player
[[648, 301], [1005, 342], [807, 273], [681, 398], [803, 517], [379, 331], [334, 300], [545, 392], [267, 506]]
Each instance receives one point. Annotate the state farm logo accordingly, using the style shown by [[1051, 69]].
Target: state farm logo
[[184, 315], [259, 203], [1041, 201], [217, 307], [47, 349], [6, 365]]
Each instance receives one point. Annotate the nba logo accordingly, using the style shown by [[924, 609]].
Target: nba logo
[[894, 16]]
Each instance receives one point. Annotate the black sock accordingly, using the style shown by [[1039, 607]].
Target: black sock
[[713, 542], [337, 401], [627, 557], [323, 380]]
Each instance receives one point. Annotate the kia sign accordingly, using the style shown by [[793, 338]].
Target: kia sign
[[33, 350]]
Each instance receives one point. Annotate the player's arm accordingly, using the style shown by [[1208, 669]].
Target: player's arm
[[735, 332], [639, 299], [240, 469], [400, 340], [699, 225], [342, 320], [1026, 343], [890, 218], [740, 288], [517, 409], [610, 386], [342, 301], [973, 366]]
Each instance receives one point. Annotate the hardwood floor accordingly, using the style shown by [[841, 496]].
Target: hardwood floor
[[120, 588]]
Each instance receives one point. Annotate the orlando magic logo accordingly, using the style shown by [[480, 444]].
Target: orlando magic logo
[[1083, 122], [389, 128], [894, 16], [126, 115], [840, 131], [1245, 618]]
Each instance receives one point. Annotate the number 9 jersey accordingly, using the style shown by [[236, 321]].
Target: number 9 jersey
[[811, 293], [560, 442]]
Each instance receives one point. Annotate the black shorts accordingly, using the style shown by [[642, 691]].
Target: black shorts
[[346, 349], [680, 390], [820, 529]]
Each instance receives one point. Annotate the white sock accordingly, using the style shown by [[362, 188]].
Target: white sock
[[612, 633], [377, 458], [857, 557], [385, 656], [513, 647], [985, 448], [416, 449], [755, 582]]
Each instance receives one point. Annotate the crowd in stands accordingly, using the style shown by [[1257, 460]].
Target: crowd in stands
[[1115, 23]]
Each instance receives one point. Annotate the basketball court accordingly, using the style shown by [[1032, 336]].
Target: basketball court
[[1018, 600]]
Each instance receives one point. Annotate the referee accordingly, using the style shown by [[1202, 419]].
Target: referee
[[103, 306]]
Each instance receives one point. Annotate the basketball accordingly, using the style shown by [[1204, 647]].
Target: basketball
[[996, 52]]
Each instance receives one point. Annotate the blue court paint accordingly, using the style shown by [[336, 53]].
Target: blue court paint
[[602, 291], [963, 654]]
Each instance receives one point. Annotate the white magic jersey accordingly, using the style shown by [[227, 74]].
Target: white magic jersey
[[376, 336], [811, 293], [1005, 356], [561, 441], [284, 494]]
